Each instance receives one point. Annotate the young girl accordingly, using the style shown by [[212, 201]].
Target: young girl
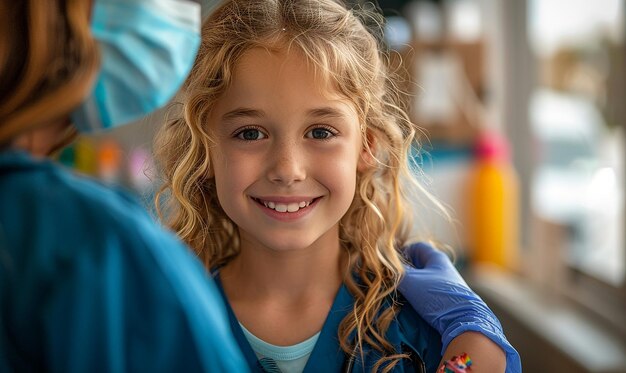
[[287, 173]]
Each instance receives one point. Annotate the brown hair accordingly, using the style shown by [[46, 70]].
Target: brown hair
[[48, 60]]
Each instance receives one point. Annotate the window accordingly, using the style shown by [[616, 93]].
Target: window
[[576, 115]]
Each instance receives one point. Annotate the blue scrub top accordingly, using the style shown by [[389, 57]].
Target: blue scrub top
[[89, 282], [408, 333]]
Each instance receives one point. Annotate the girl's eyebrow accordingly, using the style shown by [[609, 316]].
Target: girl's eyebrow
[[321, 112], [326, 112], [243, 112]]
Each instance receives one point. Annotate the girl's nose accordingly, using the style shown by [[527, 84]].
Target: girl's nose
[[286, 164]]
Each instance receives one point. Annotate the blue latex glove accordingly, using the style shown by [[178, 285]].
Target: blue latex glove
[[436, 290]]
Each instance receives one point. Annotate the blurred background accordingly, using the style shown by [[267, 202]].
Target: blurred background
[[523, 106]]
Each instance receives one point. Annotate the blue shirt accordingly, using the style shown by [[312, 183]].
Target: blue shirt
[[408, 333], [89, 282], [283, 359]]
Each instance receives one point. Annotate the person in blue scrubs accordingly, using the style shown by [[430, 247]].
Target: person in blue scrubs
[[88, 281], [286, 169]]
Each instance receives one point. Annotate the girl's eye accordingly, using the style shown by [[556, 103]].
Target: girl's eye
[[320, 133], [250, 134]]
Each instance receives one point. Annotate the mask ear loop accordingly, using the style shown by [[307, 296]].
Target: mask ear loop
[[68, 137]]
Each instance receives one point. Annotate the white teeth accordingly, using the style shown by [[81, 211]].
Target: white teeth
[[286, 207]]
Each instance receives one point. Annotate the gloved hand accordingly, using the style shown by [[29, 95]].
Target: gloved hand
[[438, 293]]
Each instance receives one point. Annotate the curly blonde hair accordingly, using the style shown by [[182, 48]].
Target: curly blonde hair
[[338, 44]]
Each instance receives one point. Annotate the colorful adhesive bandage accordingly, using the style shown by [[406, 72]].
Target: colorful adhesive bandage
[[458, 364]]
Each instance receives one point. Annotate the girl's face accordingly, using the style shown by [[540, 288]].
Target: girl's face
[[287, 151]]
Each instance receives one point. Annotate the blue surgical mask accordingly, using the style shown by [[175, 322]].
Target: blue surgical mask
[[147, 49]]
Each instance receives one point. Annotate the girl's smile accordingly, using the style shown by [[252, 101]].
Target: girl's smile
[[286, 209]]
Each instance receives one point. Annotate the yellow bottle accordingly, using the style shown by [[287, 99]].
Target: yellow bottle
[[493, 204]]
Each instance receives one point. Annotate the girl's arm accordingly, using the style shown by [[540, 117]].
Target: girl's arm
[[441, 297], [486, 356]]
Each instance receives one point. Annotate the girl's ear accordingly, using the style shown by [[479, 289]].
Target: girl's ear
[[366, 158]]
